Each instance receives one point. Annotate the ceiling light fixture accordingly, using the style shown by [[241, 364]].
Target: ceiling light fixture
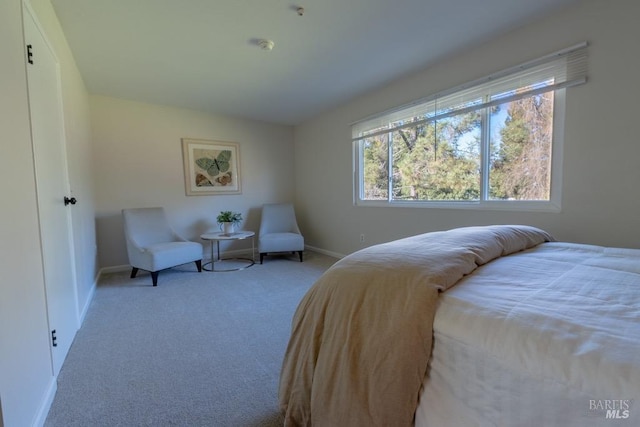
[[266, 44]]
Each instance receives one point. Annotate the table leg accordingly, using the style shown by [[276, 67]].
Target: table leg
[[213, 256]]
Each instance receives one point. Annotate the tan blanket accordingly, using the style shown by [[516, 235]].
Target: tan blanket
[[361, 337]]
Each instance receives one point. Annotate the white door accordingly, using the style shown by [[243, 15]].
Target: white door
[[47, 132]]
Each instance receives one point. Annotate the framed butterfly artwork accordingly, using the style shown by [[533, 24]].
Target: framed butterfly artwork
[[211, 167]]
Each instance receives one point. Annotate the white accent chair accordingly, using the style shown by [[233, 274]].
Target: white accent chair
[[152, 245], [279, 231]]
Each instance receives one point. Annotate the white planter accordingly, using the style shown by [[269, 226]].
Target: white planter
[[227, 227]]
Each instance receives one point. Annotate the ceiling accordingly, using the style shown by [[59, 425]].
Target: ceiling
[[204, 54]]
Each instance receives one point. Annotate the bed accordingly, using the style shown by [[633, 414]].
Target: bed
[[476, 326]]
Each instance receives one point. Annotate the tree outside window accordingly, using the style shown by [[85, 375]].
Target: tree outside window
[[441, 160], [488, 143]]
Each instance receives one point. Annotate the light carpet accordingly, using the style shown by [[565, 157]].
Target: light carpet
[[200, 349]]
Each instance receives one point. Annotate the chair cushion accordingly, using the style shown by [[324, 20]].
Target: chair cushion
[[280, 242], [165, 255]]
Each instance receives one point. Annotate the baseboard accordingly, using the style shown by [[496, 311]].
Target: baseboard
[[41, 415], [245, 252], [207, 257], [87, 303], [232, 254], [113, 269], [324, 252]]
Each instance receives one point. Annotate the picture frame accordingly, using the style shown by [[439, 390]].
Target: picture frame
[[211, 167]]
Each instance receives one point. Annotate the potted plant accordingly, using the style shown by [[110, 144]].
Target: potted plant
[[228, 220]]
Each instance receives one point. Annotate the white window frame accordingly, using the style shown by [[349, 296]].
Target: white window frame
[[551, 205]]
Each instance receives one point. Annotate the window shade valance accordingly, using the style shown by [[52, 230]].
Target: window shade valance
[[558, 70]]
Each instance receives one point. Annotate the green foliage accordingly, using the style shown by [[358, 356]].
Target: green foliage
[[229, 216], [376, 168], [441, 160], [431, 163], [521, 168]]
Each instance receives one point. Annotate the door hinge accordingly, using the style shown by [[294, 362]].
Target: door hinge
[[29, 54], [54, 339]]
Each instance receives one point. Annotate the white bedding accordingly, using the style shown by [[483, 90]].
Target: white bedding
[[361, 336], [545, 337]]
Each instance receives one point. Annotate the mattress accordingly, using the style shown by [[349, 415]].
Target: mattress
[[545, 337]]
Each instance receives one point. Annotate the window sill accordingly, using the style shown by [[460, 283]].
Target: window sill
[[520, 206]]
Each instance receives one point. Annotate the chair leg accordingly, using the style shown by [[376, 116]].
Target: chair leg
[[134, 271], [199, 265], [154, 278], [300, 253], [261, 257]]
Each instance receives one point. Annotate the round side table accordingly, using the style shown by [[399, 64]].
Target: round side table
[[218, 236]]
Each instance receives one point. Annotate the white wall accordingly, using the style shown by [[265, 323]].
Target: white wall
[[600, 203], [26, 376], [138, 163]]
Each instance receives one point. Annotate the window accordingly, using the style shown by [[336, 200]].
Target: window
[[494, 142]]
